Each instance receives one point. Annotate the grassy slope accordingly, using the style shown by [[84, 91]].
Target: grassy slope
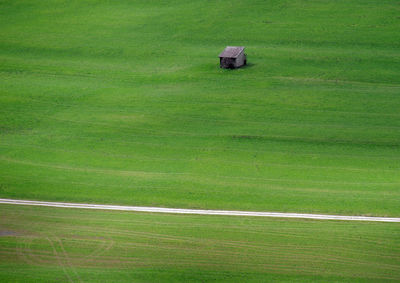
[[48, 244], [123, 102]]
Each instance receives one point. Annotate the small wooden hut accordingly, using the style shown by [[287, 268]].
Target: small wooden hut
[[232, 57]]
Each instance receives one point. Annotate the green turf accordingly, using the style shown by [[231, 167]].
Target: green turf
[[123, 102], [50, 244]]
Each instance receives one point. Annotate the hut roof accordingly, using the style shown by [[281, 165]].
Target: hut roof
[[232, 51]]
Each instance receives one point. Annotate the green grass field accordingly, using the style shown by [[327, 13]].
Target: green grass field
[[123, 102], [92, 246]]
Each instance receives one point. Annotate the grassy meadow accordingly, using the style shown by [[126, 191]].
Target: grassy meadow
[[123, 102], [102, 246]]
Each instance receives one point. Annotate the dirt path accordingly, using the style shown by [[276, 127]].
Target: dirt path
[[199, 211]]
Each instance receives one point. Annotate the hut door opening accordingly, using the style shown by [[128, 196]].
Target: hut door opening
[[227, 63]]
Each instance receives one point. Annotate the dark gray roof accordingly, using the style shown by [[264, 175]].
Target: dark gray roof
[[232, 51]]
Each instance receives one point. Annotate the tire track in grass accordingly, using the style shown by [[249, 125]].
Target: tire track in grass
[[59, 260], [182, 174], [144, 159], [67, 259]]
